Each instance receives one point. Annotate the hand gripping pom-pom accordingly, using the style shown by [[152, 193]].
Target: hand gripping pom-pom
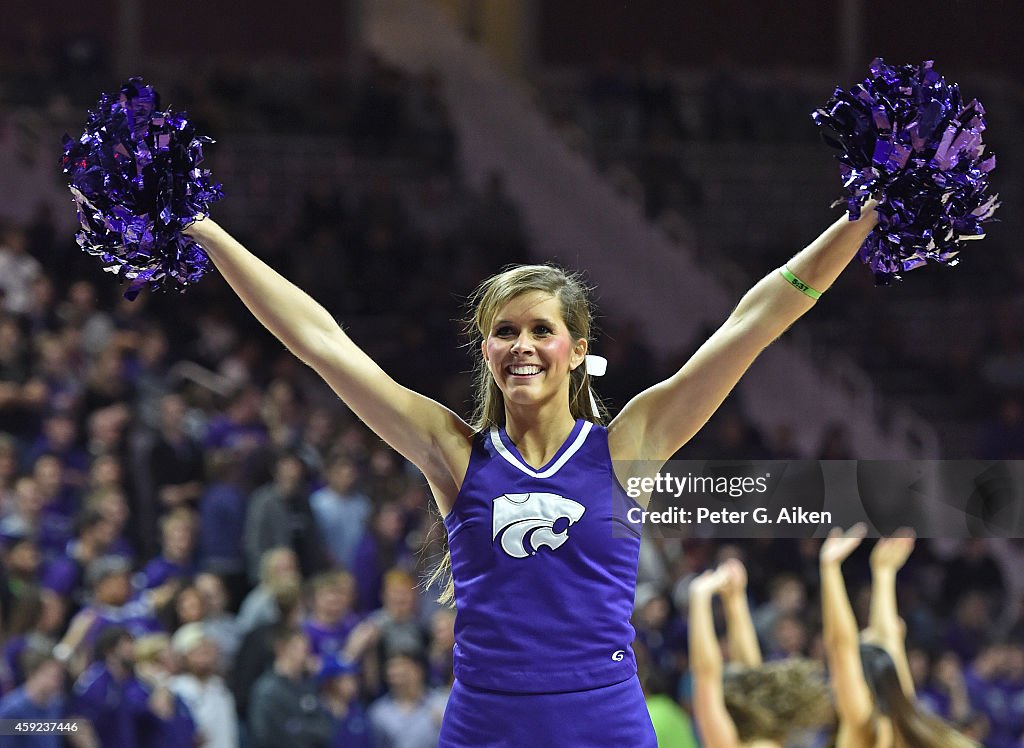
[[135, 176], [905, 137]]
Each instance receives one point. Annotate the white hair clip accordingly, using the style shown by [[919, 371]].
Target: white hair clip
[[596, 365]]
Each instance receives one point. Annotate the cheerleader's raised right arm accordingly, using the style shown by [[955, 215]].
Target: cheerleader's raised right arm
[[429, 435], [854, 702], [739, 627], [716, 727], [887, 558]]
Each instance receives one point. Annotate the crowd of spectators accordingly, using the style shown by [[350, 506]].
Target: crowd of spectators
[[198, 539]]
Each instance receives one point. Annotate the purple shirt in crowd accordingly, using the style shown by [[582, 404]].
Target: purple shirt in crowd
[[328, 640]]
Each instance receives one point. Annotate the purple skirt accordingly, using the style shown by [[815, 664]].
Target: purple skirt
[[611, 716]]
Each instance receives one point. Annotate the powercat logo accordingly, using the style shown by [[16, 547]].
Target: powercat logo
[[527, 521]]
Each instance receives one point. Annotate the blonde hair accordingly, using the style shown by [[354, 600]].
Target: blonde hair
[[778, 698], [497, 291], [486, 301]]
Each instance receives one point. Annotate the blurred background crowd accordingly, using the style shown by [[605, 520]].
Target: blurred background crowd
[[198, 539]]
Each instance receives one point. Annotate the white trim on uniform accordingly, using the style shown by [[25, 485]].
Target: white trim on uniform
[[511, 458]]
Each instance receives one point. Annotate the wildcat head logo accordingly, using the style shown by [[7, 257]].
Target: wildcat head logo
[[526, 521]]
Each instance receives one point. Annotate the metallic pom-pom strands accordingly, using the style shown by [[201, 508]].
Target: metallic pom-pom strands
[[905, 137], [135, 176]]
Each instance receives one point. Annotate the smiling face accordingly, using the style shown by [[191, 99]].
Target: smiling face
[[493, 301], [530, 352]]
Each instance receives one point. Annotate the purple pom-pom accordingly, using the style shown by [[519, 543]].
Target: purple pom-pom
[[905, 137], [135, 176]]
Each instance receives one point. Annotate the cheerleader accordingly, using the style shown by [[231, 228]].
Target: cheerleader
[[543, 557], [751, 705], [870, 675]]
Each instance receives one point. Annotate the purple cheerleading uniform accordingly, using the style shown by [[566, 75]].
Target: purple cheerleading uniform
[[544, 563]]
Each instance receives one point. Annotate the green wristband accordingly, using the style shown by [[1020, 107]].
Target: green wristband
[[798, 284]]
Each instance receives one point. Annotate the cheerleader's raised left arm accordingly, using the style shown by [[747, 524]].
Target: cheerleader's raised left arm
[[661, 419]]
